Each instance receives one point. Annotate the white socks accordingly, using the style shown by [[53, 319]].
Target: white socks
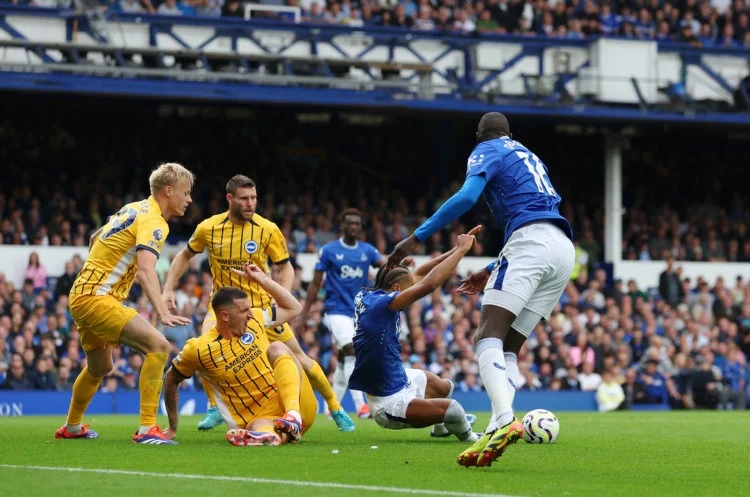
[[341, 383], [514, 375], [492, 370]]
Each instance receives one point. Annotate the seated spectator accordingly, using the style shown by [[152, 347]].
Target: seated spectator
[[588, 380], [654, 384], [609, 394], [17, 377], [706, 385]]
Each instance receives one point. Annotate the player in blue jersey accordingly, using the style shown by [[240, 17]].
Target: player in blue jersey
[[525, 282], [405, 398], [345, 263]]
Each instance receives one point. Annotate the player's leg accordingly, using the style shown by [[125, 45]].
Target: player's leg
[[342, 330], [314, 373], [98, 364], [546, 262], [213, 417], [141, 336], [423, 412], [438, 388], [454, 419], [288, 373]]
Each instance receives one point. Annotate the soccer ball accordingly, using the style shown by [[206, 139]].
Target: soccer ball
[[540, 427]]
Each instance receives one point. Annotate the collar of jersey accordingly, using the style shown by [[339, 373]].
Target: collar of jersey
[[153, 204], [356, 244]]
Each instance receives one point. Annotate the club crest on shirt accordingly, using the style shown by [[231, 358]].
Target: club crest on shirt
[[247, 338], [251, 246], [157, 234]]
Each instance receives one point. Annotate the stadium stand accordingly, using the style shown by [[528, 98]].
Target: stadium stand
[[682, 345]]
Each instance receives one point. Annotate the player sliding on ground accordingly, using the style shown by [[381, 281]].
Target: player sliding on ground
[[533, 267], [402, 398], [235, 237], [261, 390]]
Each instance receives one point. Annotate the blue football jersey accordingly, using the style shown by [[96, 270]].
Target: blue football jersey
[[518, 190], [346, 269], [377, 367]]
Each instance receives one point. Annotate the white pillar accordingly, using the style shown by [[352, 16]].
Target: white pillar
[[613, 199]]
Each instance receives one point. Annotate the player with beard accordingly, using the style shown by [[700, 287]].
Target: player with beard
[[233, 239]]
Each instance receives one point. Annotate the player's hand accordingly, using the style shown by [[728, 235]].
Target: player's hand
[[465, 242], [169, 299], [170, 433], [251, 272], [172, 320], [405, 248], [476, 230], [474, 283]]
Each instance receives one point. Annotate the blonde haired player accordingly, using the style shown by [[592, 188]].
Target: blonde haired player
[[259, 388], [122, 251], [233, 239]]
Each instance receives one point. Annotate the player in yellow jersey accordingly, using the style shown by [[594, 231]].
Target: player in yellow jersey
[[259, 388], [234, 238], [122, 251]]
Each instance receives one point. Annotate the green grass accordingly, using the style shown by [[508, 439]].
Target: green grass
[[615, 454]]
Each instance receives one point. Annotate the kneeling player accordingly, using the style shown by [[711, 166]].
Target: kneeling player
[[261, 391], [404, 398]]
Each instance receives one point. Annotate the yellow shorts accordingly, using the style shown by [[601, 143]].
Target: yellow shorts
[[281, 333], [100, 319], [308, 405]]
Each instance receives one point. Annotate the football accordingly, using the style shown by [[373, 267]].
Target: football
[[540, 426]]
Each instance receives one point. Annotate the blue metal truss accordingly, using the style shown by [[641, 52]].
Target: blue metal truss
[[470, 93]]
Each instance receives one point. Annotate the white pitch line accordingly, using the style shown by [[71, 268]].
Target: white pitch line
[[246, 479]]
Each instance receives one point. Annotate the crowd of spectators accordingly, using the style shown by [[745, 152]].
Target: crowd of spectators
[[707, 23], [605, 330], [683, 345]]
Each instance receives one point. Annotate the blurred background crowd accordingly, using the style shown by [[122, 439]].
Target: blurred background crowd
[[682, 343]]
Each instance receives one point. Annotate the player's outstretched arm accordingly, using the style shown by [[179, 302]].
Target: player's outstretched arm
[[172, 382], [453, 208], [176, 270], [425, 268], [287, 305], [149, 281], [436, 277]]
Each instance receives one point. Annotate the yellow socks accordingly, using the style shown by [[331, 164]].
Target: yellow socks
[[84, 389], [150, 385], [320, 383], [288, 382]]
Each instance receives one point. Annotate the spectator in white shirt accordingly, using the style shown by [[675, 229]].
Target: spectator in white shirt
[[588, 380], [609, 394]]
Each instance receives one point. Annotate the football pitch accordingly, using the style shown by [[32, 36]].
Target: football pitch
[[614, 454]]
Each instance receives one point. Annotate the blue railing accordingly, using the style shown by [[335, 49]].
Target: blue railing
[[460, 82]]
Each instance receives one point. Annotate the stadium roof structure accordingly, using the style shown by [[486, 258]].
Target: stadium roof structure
[[611, 81]]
